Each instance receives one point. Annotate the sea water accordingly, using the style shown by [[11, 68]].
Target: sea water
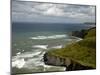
[[31, 40]]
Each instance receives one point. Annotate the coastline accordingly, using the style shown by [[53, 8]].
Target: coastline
[[82, 60]]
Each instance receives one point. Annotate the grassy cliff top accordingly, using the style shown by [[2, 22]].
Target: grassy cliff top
[[83, 52]]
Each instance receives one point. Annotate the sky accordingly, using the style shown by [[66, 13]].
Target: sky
[[30, 11]]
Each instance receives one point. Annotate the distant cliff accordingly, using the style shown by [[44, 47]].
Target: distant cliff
[[82, 33], [76, 56]]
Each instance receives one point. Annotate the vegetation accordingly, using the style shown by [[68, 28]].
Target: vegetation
[[83, 52], [91, 33]]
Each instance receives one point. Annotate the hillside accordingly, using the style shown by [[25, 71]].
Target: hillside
[[80, 55]]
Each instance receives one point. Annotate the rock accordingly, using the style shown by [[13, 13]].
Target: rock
[[54, 60], [65, 62], [80, 34], [73, 61]]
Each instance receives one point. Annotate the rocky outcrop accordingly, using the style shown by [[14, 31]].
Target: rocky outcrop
[[54, 60], [66, 62], [81, 33], [76, 56]]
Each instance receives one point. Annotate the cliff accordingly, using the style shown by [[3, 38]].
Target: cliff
[[70, 64], [83, 33], [76, 56]]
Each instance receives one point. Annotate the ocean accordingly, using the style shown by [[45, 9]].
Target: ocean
[[31, 40]]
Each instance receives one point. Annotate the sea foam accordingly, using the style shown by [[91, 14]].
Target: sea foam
[[49, 37], [40, 46], [18, 63]]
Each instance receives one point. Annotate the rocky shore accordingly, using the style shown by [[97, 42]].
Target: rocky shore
[[66, 62], [82, 33], [66, 56]]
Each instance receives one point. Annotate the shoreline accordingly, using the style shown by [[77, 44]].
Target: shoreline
[[55, 58]]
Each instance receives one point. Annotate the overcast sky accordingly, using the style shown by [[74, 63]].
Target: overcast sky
[[29, 11]]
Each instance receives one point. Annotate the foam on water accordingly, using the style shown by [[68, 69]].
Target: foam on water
[[49, 37], [18, 63], [30, 44], [26, 55], [18, 53], [40, 46], [33, 59], [27, 58], [56, 47]]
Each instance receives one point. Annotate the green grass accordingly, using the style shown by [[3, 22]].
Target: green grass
[[91, 33], [83, 52]]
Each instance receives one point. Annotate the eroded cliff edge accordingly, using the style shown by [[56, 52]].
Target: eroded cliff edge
[[80, 55]]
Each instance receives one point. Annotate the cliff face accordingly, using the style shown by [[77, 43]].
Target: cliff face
[[66, 62], [56, 61], [81, 33], [77, 56]]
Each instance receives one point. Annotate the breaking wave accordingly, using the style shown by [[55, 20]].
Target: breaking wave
[[49, 37], [31, 59], [57, 47], [22, 60], [40, 46]]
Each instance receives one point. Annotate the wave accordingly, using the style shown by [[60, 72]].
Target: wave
[[34, 61], [26, 55], [26, 59], [18, 63], [49, 37], [18, 53], [40, 46]]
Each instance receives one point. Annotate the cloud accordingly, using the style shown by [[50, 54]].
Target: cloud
[[29, 11], [54, 11]]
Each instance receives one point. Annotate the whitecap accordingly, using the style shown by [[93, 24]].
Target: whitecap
[[57, 47], [26, 59], [18, 63], [40, 46], [26, 55], [49, 37], [18, 53]]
